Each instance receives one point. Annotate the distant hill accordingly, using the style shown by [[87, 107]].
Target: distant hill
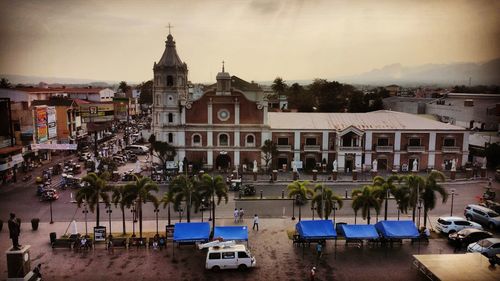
[[487, 73], [34, 80]]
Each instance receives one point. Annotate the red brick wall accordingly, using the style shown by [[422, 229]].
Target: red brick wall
[[440, 140], [189, 138], [375, 136], [388, 156], [199, 111], [249, 114], [424, 140], [257, 139], [216, 136], [197, 156]]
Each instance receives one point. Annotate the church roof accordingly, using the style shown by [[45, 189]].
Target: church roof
[[376, 120], [170, 58]]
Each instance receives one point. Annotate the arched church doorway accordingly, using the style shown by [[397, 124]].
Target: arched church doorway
[[223, 161]]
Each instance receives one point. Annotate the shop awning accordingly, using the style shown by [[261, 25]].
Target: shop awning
[[317, 229], [397, 229], [10, 150], [231, 232], [359, 231]]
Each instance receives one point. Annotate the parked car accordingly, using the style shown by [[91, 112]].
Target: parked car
[[236, 256], [482, 215], [468, 235], [137, 149], [488, 247], [450, 225]]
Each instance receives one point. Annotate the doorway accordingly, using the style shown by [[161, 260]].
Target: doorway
[[222, 161]]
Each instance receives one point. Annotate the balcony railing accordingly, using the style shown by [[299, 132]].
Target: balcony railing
[[414, 148], [282, 147], [312, 147], [384, 148], [450, 149], [350, 148]]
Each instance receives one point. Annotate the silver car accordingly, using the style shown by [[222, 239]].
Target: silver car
[[488, 247]]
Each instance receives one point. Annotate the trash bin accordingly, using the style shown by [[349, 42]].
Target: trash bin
[[53, 237]]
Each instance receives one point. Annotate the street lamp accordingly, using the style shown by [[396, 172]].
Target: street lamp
[[334, 208], [452, 198], [51, 221], [180, 214], [85, 212], [293, 207], [312, 211], [419, 210], [156, 210], [109, 211], [133, 220]]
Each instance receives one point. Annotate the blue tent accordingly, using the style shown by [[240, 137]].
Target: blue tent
[[360, 231], [191, 232], [232, 232], [318, 229], [397, 229]]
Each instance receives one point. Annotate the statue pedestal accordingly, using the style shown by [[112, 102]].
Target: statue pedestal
[[453, 175], [254, 176], [275, 175], [373, 173], [295, 176], [354, 175], [483, 172], [315, 175], [324, 167], [200, 174], [468, 173], [334, 175], [18, 263]]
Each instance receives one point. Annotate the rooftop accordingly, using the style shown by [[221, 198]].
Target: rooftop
[[377, 120]]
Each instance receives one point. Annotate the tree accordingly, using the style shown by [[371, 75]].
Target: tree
[[107, 164], [270, 150], [386, 187], [139, 192], [184, 188], [146, 96], [210, 188], [167, 200], [300, 99], [123, 87], [279, 86], [428, 195], [324, 201], [301, 191], [413, 184], [93, 191], [5, 84], [366, 199], [162, 150], [120, 198]]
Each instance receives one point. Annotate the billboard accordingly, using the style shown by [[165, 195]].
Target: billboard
[[51, 122], [41, 124], [121, 108]]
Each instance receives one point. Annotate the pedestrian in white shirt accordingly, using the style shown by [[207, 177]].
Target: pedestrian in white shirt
[[255, 222]]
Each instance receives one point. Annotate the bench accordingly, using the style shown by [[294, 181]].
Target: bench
[[62, 243], [118, 243], [356, 242], [137, 242]]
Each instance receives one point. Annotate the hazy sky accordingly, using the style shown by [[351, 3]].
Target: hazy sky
[[259, 40]]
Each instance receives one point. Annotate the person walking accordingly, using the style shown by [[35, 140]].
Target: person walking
[[241, 213], [255, 222], [14, 231], [319, 249], [313, 273], [236, 215]]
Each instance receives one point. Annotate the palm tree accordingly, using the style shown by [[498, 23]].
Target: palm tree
[[210, 188], [385, 187], [325, 200], [139, 192], [414, 185], [366, 199], [122, 199], [402, 196], [93, 191], [301, 191], [428, 195], [166, 200], [183, 188]]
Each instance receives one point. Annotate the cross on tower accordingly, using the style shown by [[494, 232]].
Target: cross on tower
[[222, 66], [169, 26]]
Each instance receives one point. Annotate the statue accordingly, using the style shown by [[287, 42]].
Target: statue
[[485, 161], [294, 166], [374, 165], [14, 231], [334, 164], [255, 169], [181, 165], [415, 166], [453, 165]]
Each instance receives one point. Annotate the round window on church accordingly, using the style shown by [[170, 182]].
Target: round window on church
[[223, 115]]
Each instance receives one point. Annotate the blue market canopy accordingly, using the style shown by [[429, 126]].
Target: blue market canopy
[[360, 231], [231, 232], [191, 232], [397, 229], [318, 229]]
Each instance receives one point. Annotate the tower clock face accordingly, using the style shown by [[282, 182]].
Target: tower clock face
[[223, 114]]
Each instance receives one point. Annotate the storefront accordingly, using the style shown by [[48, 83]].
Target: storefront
[[11, 159]]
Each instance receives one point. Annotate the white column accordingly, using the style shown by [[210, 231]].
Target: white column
[[236, 139], [209, 112], [236, 113], [341, 161], [266, 135], [265, 114], [324, 146], [465, 148], [431, 161], [357, 162], [210, 138], [397, 149], [296, 145], [181, 153], [368, 141], [183, 116], [210, 158], [236, 158], [181, 138]]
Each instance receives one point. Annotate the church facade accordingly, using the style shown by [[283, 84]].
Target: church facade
[[226, 126]]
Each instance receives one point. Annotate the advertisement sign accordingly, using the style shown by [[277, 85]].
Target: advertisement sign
[[99, 233], [54, 146], [41, 124], [121, 108], [51, 122]]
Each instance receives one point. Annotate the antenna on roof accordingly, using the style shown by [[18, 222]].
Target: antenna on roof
[[222, 65]]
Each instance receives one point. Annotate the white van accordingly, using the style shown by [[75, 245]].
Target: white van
[[137, 149], [236, 256]]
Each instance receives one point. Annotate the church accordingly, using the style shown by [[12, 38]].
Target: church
[[227, 125]]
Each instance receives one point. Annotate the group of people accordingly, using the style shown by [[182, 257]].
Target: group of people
[[238, 217]]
